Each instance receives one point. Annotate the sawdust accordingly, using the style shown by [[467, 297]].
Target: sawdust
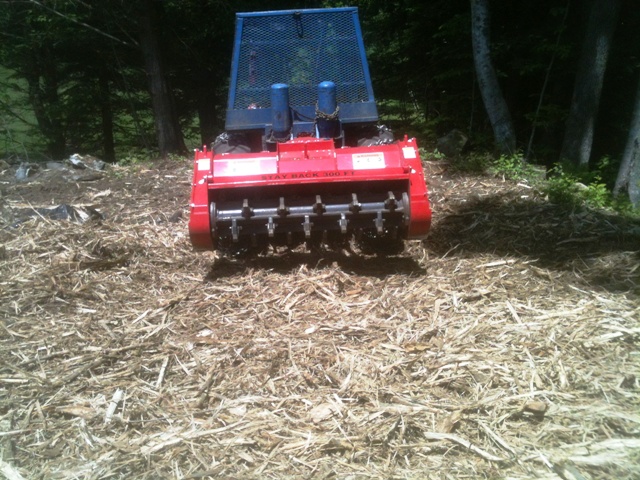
[[505, 346]]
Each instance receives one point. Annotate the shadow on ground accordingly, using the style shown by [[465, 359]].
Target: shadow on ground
[[288, 262], [602, 248]]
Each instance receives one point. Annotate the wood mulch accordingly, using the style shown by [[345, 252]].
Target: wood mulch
[[504, 346]]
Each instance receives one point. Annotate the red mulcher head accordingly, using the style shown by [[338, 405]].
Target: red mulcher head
[[318, 172]]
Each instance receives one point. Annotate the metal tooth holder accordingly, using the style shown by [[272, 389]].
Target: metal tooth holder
[[307, 227], [271, 227], [355, 205], [379, 223], [235, 229], [391, 203], [247, 211], [343, 223], [282, 208], [318, 207]]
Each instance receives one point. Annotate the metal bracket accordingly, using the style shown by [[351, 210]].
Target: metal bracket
[[247, 211], [391, 203], [318, 207], [355, 205], [283, 210]]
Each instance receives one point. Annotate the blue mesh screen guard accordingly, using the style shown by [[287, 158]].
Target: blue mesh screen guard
[[300, 48]]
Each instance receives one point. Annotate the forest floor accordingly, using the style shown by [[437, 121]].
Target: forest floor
[[504, 346]]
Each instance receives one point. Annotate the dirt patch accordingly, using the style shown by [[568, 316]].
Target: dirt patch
[[505, 346]]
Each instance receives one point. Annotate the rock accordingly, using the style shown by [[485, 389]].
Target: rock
[[93, 163], [87, 177], [176, 217], [76, 161], [25, 170], [452, 143], [535, 407], [55, 165], [78, 214]]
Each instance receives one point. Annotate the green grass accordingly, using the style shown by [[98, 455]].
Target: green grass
[[561, 185]]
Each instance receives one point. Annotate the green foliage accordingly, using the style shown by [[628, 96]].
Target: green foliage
[[476, 162], [513, 167], [563, 184], [435, 155], [136, 158], [575, 188]]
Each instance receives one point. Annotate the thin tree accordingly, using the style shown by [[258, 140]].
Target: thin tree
[[547, 76], [629, 173], [168, 131], [578, 137], [492, 97]]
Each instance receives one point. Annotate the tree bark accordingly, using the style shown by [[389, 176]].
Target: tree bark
[[578, 138], [168, 131], [108, 143], [492, 97], [42, 80], [634, 173], [629, 173]]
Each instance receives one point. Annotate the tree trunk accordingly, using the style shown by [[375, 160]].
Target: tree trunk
[[42, 81], [168, 131], [578, 137], [108, 144], [634, 172], [629, 173], [492, 98]]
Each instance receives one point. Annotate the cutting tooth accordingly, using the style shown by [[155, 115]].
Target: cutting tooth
[[270, 227], [307, 227], [343, 223], [379, 223], [235, 229]]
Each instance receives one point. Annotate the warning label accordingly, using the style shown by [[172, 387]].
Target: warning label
[[368, 161]]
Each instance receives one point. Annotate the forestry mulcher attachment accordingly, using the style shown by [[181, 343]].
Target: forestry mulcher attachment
[[303, 159]]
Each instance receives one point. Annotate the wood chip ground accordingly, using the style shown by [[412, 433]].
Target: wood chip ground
[[504, 346]]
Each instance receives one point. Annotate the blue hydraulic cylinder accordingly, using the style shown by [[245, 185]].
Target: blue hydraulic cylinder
[[327, 111], [280, 110]]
